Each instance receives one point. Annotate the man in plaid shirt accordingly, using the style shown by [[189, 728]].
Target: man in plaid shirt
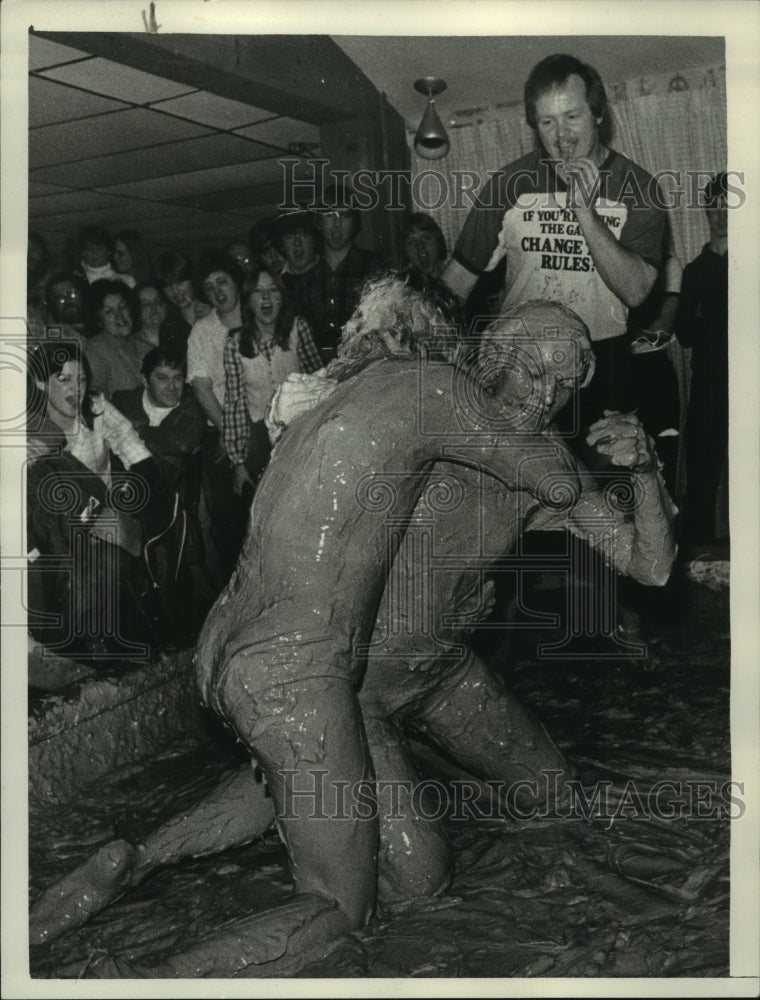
[[329, 292]]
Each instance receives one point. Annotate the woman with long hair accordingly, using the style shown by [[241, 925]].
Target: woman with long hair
[[272, 343], [67, 414], [87, 513]]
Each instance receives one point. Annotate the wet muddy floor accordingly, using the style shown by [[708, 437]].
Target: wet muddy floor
[[639, 888]]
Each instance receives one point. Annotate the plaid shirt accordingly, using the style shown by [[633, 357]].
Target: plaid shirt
[[327, 298], [237, 420]]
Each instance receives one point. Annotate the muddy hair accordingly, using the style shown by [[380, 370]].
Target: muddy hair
[[565, 324], [398, 312]]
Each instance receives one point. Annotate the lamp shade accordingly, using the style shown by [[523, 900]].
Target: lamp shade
[[431, 141]]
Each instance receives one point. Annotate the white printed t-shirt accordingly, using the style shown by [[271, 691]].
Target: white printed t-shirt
[[520, 214]]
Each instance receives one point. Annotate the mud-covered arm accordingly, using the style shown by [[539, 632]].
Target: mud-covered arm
[[646, 546], [529, 463], [471, 428], [634, 531], [523, 462]]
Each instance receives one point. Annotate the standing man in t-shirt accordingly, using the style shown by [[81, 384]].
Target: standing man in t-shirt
[[576, 222]]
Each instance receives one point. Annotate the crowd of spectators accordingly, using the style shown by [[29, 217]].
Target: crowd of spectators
[[151, 371], [151, 374]]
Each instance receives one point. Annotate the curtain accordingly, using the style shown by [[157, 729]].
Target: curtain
[[477, 148], [683, 131]]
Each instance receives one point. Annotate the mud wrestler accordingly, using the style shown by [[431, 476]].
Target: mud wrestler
[[299, 661]]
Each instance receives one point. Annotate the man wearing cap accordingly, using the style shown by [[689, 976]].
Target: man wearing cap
[[575, 221]]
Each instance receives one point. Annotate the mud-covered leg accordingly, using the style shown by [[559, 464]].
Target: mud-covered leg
[[481, 724], [232, 814], [235, 812], [415, 856], [82, 893], [309, 740]]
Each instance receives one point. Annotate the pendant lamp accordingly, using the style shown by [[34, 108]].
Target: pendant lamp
[[431, 141]]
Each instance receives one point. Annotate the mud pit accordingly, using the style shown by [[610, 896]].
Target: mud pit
[[529, 898]]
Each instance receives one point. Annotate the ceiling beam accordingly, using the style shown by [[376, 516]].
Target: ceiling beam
[[307, 77]]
